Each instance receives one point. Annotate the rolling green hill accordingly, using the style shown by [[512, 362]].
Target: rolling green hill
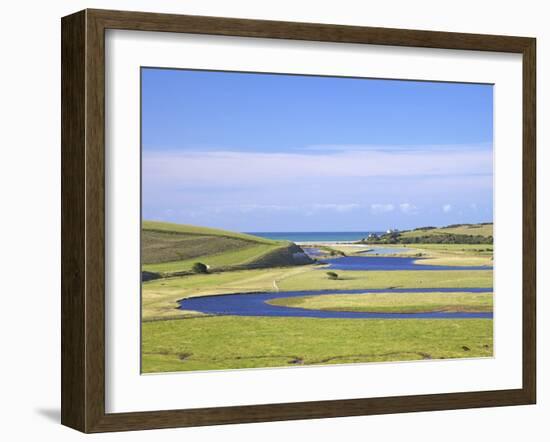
[[189, 229], [485, 229], [169, 248], [453, 234]]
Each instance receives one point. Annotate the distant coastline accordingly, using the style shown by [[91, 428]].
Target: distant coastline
[[315, 236], [480, 233]]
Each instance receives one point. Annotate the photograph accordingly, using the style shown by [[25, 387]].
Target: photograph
[[304, 220]]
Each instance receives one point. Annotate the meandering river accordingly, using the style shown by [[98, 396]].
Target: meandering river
[[388, 263], [255, 304]]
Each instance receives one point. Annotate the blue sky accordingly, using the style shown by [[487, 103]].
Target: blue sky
[[263, 152]]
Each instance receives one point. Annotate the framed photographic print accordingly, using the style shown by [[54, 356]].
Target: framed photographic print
[[271, 220]]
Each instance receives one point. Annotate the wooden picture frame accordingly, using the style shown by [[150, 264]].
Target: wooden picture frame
[[83, 220]]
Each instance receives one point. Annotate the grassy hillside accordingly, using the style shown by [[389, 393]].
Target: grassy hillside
[[189, 229], [169, 248], [453, 234], [462, 229]]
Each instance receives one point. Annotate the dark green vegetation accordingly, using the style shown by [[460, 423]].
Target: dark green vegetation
[[199, 267], [169, 249], [211, 343], [453, 234], [332, 275], [330, 251], [394, 303]]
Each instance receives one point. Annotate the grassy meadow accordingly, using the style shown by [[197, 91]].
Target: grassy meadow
[[248, 342], [180, 340], [392, 303], [454, 254]]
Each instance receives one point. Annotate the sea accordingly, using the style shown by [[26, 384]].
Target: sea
[[314, 236]]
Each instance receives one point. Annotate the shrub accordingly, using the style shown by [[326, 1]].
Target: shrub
[[332, 275], [199, 267]]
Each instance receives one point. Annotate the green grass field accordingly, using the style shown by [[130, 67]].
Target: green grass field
[[387, 279], [455, 254], [394, 303], [475, 249], [211, 343]]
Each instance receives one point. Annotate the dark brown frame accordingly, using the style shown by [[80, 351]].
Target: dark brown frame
[[83, 217]]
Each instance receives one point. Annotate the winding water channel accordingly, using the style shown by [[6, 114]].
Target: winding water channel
[[256, 304], [388, 263]]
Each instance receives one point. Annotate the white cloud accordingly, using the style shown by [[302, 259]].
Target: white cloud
[[408, 208], [447, 208], [311, 208], [397, 147], [245, 208], [338, 185], [198, 169], [337, 207], [381, 208]]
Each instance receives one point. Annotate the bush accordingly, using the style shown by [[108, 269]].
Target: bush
[[199, 267], [332, 275]]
